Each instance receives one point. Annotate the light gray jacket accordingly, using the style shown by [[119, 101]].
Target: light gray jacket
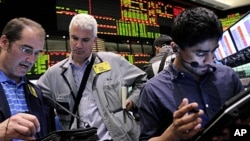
[[106, 89]]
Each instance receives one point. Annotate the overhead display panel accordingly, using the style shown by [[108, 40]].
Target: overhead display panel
[[241, 32], [132, 18], [226, 46]]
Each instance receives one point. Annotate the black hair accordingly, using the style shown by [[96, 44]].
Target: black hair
[[195, 25], [163, 39]]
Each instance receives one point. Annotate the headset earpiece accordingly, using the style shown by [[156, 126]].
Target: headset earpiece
[[175, 48]]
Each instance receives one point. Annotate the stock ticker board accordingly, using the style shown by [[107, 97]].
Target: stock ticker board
[[44, 61], [129, 18], [132, 18]]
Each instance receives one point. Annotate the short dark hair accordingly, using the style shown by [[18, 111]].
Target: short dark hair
[[162, 40], [194, 26], [13, 29]]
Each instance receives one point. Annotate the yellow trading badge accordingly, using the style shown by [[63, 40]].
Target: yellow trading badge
[[101, 67], [32, 90]]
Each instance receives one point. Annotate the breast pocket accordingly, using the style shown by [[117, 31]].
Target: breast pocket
[[112, 94], [63, 102]]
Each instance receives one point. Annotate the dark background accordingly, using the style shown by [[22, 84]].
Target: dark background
[[44, 12]]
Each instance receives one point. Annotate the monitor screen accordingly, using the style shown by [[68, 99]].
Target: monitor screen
[[226, 46], [241, 32]]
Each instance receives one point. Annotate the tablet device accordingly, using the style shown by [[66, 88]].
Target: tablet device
[[234, 108], [81, 134]]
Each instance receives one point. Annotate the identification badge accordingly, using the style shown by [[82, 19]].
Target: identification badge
[[101, 67], [32, 90]]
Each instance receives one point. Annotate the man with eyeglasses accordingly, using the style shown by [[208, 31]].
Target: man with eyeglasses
[[23, 114]]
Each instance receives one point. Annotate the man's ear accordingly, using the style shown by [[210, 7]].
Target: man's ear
[[174, 47], [157, 49], [3, 41]]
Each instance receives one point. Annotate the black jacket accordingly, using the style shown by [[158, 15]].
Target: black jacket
[[35, 102]]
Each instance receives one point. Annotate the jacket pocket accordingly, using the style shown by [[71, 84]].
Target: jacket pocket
[[113, 97], [63, 104], [128, 123]]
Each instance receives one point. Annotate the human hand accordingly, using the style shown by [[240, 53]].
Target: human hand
[[129, 105], [185, 124], [20, 126]]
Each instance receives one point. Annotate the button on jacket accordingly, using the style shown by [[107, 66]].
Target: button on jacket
[[106, 91], [162, 94]]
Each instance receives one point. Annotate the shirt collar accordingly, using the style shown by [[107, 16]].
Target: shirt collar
[[71, 62], [175, 73], [5, 78]]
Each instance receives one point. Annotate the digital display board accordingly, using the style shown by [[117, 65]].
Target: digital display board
[[46, 60], [133, 18], [241, 32], [230, 20], [226, 46], [40, 66], [66, 9]]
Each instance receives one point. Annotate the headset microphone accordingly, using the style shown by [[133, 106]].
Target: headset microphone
[[193, 64], [212, 67], [196, 64]]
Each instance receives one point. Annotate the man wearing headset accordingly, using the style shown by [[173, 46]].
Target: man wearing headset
[[191, 82]]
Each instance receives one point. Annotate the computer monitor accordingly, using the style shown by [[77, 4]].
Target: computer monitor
[[241, 32], [226, 46]]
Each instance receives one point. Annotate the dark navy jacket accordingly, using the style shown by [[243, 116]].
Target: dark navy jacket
[[34, 99], [162, 95]]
